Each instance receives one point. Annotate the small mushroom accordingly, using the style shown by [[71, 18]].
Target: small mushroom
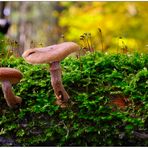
[[52, 55], [10, 76]]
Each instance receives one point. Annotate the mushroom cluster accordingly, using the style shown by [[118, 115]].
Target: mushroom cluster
[[52, 55], [9, 76]]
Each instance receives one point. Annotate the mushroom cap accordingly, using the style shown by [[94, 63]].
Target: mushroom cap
[[51, 53], [10, 74]]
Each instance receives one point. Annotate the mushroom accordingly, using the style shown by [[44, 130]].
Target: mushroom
[[10, 76], [52, 55]]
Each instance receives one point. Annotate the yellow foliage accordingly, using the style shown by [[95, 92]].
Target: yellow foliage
[[116, 19]]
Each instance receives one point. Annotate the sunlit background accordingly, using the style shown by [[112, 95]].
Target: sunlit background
[[111, 25]]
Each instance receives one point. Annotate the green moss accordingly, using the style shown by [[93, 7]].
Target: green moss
[[92, 82]]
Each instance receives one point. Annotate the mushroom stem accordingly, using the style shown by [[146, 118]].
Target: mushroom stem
[[56, 82], [11, 99]]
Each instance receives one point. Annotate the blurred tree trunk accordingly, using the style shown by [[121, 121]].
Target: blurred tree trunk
[[21, 25], [54, 28], [2, 7], [36, 23]]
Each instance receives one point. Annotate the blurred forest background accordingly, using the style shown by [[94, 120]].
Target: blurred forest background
[[109, 26]]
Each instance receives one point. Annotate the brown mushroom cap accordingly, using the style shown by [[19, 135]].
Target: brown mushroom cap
[[50, 54], [10, 74]]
